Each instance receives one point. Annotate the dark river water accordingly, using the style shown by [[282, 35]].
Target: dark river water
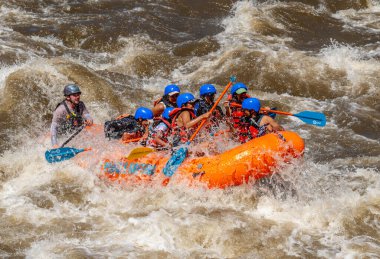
[[318, 55]]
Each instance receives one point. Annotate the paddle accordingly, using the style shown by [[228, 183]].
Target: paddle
[[63, 153], [309, 117], [178, 156], [72, 136], [139, 152]]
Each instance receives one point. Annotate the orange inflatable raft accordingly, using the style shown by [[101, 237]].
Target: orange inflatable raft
[[252, 160]]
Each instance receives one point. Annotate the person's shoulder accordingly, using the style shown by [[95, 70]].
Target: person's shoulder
[[160, 104], [267, 118], [60, 107]]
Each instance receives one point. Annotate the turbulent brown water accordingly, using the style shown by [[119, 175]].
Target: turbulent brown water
[[319, 55]]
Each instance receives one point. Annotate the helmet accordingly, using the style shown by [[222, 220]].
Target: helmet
[[207, 89], [237, 86], [251, 104], [185, 98], [172, 89], [167, 112], [71, 89], [143, 113]]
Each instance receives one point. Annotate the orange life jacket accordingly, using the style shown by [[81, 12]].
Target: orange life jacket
[[249, 128], [236, 110]]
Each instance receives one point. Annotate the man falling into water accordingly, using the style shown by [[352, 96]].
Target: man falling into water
[[70, 114]]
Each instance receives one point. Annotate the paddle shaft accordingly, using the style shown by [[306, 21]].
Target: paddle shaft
[[309, 117], [278, 112], [211, 110], [72, 136]]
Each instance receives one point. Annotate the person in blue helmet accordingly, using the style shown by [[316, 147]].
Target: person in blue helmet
[[160, 131], [169, 99], [141, 129], [207, 95], [253, 124], [233, 105], [69, 115], [234, 100], [184, 118]]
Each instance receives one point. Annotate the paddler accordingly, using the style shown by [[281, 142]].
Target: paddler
[[253, 124], [140, 131], [184, 118], [205, 103], [69, 115], [160, 131], [169, 99], [207, 95], [234, 101]]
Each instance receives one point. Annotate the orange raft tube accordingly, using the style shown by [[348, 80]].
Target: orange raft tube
[[252, 160]]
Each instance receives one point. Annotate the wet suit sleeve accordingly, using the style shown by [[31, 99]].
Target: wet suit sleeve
[[59, 117]]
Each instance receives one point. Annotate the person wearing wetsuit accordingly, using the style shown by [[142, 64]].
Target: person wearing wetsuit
[[69, 115]]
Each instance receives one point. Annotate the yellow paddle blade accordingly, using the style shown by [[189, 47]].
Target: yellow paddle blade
[[140, 152]]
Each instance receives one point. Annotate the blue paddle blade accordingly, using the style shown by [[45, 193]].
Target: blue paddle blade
[[61, 154], [314, 118], [175, 161]]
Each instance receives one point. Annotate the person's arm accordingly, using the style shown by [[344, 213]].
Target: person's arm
[[53, 133], [188, 123], [218, 112], [58, 119], [158, 109], [272, 125], [146, 131], [227, 108], [158, 139]]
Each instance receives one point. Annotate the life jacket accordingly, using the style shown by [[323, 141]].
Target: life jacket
[[249, 128], [74, 119], [236, 110], [180, 133], [153, 133], [125, 123], [165, 100]]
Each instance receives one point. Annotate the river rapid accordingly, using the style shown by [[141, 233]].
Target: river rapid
[[318, 55]]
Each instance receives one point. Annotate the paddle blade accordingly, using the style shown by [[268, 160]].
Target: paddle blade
[[314, 118], [61, 154], [139, 152], [175, 161]]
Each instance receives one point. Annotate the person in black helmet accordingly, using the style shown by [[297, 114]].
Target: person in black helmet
[[69, 115]]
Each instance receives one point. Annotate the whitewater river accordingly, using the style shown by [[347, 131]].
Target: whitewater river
[[318, 55]]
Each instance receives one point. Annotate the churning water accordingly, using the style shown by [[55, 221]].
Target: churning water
[[319, 55]]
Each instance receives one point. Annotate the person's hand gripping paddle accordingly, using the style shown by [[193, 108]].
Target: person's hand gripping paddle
[[64, 153]]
